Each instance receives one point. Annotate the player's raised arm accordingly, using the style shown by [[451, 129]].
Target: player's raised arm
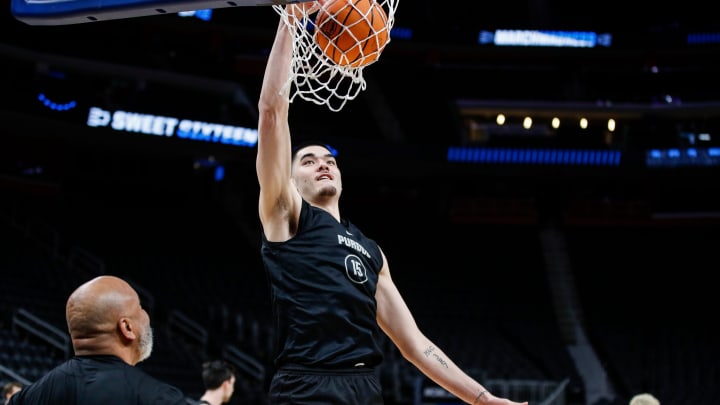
[[277, 196]]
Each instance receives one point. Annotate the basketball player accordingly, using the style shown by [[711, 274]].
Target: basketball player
[[110, 334], [332, 292]]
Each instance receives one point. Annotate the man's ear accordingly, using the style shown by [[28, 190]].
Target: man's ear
[[126, 328]]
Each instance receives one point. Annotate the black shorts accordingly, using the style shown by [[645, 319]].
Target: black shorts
[[294, 386]]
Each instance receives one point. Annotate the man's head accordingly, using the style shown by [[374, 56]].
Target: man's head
[[219, 375], [104, 316], [644, 399], [315, 171]]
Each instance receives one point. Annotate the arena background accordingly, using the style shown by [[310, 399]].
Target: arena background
[[582, 280]]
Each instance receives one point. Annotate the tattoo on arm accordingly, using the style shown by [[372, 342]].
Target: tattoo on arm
[[430, 352]]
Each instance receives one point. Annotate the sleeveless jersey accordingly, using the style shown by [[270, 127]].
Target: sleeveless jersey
[[322, 286]]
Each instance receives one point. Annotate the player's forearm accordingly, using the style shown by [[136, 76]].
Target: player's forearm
[[437, 366], [273, 150], [277, 70]]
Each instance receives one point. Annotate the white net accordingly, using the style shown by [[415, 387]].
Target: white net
[[334, 41]]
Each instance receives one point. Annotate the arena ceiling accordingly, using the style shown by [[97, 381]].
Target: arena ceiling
[[419, 91]]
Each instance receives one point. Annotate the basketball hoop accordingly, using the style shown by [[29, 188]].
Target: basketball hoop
[[315, 76]]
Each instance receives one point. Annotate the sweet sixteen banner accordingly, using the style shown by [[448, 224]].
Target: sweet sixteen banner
[[163, 126]]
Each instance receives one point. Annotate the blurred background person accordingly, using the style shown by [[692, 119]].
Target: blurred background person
[[9, 389], [219, 381]]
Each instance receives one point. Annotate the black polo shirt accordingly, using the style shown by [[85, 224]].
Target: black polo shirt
[[98, 380]]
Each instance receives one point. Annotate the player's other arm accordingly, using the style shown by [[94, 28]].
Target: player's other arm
[[396, 320]]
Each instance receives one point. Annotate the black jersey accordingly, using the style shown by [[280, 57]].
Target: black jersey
[[322, 285], [94, 380]]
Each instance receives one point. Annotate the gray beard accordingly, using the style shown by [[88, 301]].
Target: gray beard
[[146, 344]]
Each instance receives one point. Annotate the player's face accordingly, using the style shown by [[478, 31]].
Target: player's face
[[316, 173]]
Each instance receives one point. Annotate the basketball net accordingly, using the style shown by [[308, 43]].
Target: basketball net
[[314, 76]]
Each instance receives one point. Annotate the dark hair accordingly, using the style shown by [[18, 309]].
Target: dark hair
[[216, 372], [312, 142]]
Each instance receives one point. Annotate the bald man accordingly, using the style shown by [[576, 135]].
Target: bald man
[[110, 334], [644, 399]]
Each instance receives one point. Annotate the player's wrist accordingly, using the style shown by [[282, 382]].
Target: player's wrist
[[479, 397]]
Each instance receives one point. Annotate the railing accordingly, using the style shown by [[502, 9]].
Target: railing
[[177, 321], [12, 375], [22, 319], [245, 363]]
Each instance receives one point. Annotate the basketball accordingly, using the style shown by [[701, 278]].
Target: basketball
[[352, 33]]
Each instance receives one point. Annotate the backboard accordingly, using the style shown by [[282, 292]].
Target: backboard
[[65, 12]]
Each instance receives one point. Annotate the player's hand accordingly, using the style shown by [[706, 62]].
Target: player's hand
[[298, 10], [490, 399]]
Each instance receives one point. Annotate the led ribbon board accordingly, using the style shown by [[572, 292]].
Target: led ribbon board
[[66, 12]]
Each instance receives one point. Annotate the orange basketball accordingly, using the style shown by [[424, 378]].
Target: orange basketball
[[352, 33]]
